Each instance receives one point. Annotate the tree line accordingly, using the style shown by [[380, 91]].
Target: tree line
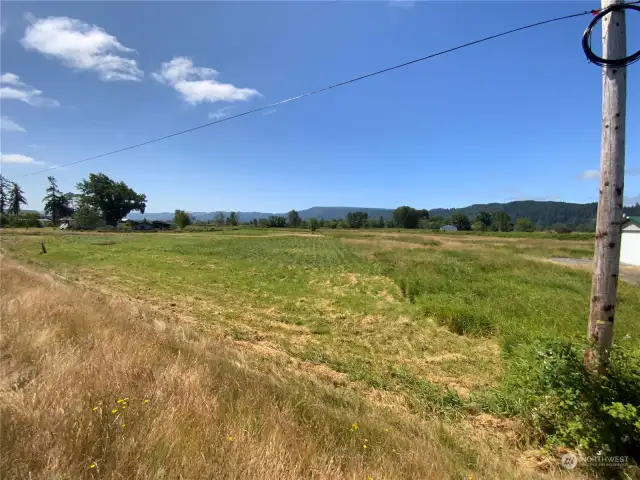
[[99, 201], [402, 217]]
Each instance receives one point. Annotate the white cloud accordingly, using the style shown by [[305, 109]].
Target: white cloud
[[198, 84], [81, 46], [10, 126], [595, 174], [589, 175], [11, 79], [18, 158], [12, 88], [220, 113]]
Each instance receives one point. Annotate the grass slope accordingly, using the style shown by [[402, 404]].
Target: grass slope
[[420, 323], [97, 386]]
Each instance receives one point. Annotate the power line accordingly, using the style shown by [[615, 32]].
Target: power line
[[314, 92]]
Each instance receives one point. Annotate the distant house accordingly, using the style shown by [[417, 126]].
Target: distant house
[[448, 228], [630, 246]]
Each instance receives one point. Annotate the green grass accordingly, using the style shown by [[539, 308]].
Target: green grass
[[425, 323]]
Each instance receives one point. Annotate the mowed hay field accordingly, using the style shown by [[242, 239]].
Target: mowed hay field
[[273, 354]]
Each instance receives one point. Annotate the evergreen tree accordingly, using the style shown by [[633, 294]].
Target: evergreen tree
[[56, 204], [4, 186], [16, 199]]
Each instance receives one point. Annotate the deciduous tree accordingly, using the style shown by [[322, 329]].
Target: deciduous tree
[[485, 219], [112, 200], [407, 217], [293, 219], [525, 225], [460, 221], [181, 219], [501, 221], [356, 219], [232, 219]]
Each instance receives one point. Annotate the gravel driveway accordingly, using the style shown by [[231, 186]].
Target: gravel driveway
[[628, 273]]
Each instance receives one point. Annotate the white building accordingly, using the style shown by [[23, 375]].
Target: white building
[[448, 228], [630, 246]]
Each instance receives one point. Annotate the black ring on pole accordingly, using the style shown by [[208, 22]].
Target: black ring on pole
[[586, 40]]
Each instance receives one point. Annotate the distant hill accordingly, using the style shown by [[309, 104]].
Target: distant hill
[[544, 214]]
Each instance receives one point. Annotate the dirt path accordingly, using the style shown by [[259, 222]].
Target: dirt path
[[628, 273]]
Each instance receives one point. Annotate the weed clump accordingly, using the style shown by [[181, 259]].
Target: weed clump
[[567, 405]]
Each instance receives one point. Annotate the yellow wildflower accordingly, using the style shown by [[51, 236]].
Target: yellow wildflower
[[120, 400], [124, 406], [364, 446], [386, 429], [146, 400], [93, 465], [114, 410], [124, 425], [94, 408], [229, 438]]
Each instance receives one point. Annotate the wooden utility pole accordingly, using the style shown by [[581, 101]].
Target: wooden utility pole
[[610, 201]]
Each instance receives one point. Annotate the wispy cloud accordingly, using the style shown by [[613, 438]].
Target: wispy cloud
[[81, 46], [220, 113], [197, 84], [271, 111], [18, 158], [595, 174], [589, 175], [10, 126], [12, 88], [402, 3]]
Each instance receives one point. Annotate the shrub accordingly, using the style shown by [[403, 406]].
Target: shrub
[[570, 406], [181, 219]]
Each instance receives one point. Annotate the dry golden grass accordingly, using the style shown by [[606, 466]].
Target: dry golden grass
[[100, 387]]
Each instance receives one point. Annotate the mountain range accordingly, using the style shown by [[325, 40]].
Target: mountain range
[[544, 214]]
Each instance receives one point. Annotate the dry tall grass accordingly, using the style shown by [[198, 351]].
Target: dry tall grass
[[98, 387]]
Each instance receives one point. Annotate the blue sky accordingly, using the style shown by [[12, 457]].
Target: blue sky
[[514, 118]]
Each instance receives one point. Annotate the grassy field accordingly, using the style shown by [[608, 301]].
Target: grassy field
[[394, 327]]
